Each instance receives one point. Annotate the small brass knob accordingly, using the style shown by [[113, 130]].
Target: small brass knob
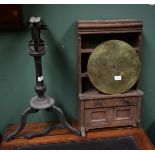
[[15, 13]]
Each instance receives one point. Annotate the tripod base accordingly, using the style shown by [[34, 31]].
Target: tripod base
[[63, 123]]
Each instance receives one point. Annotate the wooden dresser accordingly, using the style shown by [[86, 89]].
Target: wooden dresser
[[96, 109]]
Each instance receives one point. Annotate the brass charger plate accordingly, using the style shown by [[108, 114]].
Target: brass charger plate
[[113, 67]]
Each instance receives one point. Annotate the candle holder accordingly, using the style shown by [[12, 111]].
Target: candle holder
[[41, 101]]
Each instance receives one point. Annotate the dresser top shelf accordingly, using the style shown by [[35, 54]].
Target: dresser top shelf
[[95, 94], [109, 26]]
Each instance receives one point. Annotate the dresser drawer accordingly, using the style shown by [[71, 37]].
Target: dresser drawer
[[98, 117], [122, 114], [110, 117], [124, 101]]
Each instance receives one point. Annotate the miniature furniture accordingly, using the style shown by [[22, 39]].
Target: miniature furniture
[[96, 109]]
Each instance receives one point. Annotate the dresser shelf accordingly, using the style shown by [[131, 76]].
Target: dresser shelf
[[96, 109]]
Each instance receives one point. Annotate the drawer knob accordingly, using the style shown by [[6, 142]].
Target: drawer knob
[[127, 101], [15, 13], [98, 104]]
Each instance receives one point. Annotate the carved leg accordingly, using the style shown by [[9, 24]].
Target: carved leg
[[22, 123], [62, 118], [43, 132], [83, 132], [63, 124]]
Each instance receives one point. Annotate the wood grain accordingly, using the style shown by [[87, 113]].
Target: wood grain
[[63, 135]]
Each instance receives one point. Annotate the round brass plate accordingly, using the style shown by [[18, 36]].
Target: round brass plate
[[113, 67]]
